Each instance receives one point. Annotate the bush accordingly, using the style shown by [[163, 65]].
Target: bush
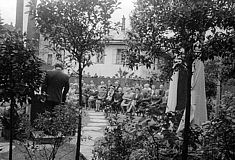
[[150, 137], [63, 120], [154, 136], [58, 125], [219, 137]]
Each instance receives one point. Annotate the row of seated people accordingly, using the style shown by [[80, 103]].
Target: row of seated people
[[124, 100]]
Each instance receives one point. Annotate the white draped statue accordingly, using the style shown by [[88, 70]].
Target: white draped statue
[[172, 94], [198, 113]]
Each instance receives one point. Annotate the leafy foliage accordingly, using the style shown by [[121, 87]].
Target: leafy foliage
[[62, 121], [172, 28], [76, 26], [145, 39], [20, 73], [183, 31], [5, 119], [219, 138], [59, 125], [154, 136], [150, 137], [211, 77]]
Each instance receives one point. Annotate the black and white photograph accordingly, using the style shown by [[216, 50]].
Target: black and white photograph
[[117, 79]]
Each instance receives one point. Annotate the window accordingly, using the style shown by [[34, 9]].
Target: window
[[120, 57], [100, 58], [49, 59]]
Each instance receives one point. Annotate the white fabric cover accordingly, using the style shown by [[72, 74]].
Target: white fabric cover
[[198, 113]]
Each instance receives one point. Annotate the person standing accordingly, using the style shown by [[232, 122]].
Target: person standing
[[56, 87]]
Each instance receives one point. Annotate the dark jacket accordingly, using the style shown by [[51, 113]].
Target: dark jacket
[[117, 96], [56, 86], [138, 97]]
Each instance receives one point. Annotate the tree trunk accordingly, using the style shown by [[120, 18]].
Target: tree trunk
[[80, 108], [187, 112], [12, 106], [218, 97]]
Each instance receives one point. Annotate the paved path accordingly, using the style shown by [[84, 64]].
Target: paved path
[[93, 130]]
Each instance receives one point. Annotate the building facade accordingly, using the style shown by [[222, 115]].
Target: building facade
[[106, 64]]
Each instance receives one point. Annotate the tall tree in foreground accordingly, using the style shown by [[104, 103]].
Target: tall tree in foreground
[[186, 29], [79, 27], [20, 73]]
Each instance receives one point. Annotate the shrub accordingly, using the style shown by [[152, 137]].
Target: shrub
[[58, 125], [219, 137], [149, 137], [154, 136]]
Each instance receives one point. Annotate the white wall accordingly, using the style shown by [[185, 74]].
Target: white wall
[[109, 68]]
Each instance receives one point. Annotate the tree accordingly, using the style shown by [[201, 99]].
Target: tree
[[20, 73], [78, 27], [174, 28], [222, 45], [145, 39]]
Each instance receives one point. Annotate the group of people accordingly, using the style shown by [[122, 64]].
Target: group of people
[[117, 98], [111, 96]]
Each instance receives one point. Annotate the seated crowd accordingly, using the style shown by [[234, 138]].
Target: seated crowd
[[117, 99]]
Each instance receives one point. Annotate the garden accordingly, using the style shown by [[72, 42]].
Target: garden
[[154, 136], [176, 33]]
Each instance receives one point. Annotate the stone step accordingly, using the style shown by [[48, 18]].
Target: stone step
[[95, 113], [4, 146], [97, 117], [98, 120], [91, 128], [96, 124]]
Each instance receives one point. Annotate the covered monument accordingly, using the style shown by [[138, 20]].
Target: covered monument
[[178, 95]]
